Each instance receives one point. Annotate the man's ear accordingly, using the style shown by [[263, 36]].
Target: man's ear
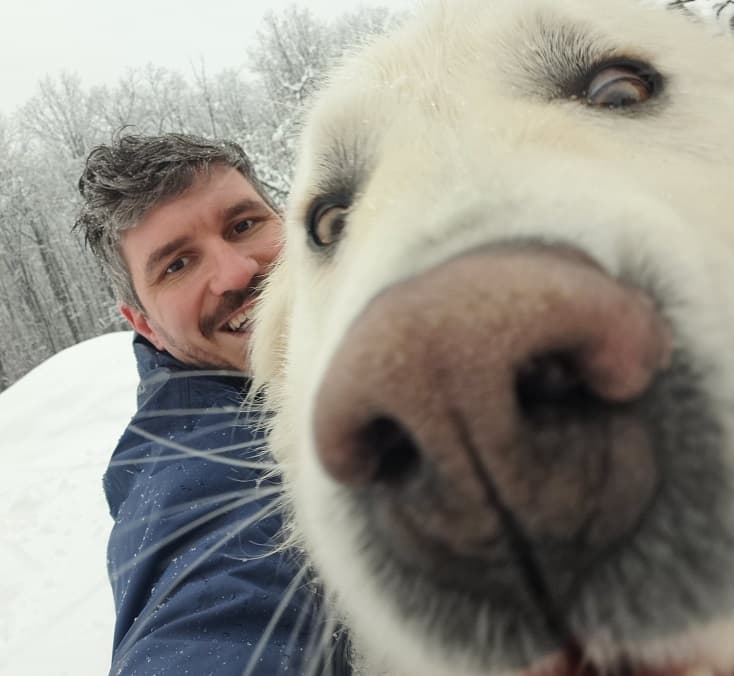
[[140, 324]]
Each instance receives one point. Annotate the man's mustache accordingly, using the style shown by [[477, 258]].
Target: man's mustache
[[231, 300]]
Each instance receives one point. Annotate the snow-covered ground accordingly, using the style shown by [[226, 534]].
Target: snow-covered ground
[[58, 426]]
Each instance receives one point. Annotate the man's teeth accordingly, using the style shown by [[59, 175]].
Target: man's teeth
[[238, 322]]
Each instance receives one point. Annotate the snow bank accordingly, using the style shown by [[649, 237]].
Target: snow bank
[[58, 426]]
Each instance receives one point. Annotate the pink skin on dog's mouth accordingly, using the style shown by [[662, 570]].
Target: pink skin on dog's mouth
[[573, 663]]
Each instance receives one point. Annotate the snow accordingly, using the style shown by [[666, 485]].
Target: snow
[[59, 425]]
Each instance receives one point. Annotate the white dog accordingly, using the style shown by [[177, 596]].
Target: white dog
[[499, 342]]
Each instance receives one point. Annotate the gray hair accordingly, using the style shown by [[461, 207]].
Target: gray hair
[[123, 180]]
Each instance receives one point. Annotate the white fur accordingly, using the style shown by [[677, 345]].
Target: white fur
[[460, 149]]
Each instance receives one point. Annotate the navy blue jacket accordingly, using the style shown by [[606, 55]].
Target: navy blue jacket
[[190, 555]]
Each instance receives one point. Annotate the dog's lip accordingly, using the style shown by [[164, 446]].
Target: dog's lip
[[566, 665]]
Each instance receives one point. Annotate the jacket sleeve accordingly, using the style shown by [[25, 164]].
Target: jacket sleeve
[[199, 585]]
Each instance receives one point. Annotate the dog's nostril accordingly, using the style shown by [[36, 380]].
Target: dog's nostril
[[387, 440], [550, 381]]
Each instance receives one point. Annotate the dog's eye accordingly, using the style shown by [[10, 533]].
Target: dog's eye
[[326, 223], [619, 85]]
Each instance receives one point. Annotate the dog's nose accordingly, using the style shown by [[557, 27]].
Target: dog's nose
[[498, 389]]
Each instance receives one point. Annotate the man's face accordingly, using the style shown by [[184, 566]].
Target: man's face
[[195, 260]]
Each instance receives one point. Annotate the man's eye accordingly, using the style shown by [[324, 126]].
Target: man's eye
[[243, 226], [177, 265]]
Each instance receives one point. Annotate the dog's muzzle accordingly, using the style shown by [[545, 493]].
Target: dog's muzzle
[[488, 408]]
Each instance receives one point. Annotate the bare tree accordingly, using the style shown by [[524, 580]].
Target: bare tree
[[60, 114], [52, 292]]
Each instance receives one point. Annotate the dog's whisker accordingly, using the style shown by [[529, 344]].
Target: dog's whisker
[[286, 599], [188, 451], [142, 622], [190, 505], [233, 504], [323, 648], [306, 613]]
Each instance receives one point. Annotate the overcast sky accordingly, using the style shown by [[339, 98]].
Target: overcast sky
[[99, 40]]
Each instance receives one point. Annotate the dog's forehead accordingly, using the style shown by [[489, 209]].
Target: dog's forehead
[[513, 48], [453, 35]]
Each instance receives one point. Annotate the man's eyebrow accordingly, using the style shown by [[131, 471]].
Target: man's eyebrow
[[162, 253], [246, 204], [236, 209]]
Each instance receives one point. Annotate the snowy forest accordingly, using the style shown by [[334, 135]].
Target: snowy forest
[[52, 293]]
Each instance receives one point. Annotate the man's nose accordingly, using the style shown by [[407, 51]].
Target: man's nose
[[231, 269]]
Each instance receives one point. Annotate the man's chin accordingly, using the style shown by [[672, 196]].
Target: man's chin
[[233, 348]]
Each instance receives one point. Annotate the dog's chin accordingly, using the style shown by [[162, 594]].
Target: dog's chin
[[514, 639], [519, 641], [572, 659], [572, 663]]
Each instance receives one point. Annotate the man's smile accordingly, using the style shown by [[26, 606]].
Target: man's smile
[[234, 312], [240, 321]]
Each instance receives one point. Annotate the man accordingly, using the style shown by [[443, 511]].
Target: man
[[187, 233]]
